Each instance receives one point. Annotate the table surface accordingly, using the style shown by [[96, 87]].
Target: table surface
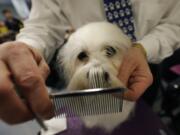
[[144, 122]]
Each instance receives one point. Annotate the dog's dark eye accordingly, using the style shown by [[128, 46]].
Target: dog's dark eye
[[110, 51], [82, 56]]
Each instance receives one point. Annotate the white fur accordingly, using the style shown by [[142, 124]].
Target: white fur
[[93, 38]]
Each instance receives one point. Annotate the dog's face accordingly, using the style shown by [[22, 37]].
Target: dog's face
[[92, 56]]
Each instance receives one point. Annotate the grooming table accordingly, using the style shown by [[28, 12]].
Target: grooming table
[[144, 122]]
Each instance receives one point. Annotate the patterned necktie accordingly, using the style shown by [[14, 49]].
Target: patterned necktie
[[120, 12]]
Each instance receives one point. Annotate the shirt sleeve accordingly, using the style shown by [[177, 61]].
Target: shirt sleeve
[[164, 39], [45, 28]]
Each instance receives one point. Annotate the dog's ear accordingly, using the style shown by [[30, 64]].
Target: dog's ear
[[59, 65], [59, 68], [56, 78], [69, 32]]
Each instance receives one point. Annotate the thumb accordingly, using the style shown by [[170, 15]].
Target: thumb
[[125, 71], [42, 65], [44, 69]]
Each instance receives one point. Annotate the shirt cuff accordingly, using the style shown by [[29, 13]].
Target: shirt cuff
[[151, 47], [34, 44]]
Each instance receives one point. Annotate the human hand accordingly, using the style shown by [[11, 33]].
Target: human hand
[[135, 73], [25, 67]]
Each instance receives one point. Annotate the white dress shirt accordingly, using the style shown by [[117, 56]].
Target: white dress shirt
[[157, 24]]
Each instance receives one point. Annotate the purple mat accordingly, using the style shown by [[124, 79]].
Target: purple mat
[[144, 122], [176, 69]]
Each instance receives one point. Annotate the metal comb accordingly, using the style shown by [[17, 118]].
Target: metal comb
[[87, 102]]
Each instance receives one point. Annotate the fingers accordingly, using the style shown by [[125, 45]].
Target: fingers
[[135, 74], [43, 67], [29, 77], [140, 79], [12, 109], [137, 86]]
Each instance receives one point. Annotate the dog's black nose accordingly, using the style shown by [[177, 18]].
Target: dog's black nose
[[106, 76]]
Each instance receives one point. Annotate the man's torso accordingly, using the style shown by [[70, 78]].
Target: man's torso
[[147, 13]]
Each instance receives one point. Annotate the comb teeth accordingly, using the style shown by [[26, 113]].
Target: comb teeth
[[89, 102], [96, 78]]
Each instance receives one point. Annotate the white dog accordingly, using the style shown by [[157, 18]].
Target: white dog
[[96, 48]]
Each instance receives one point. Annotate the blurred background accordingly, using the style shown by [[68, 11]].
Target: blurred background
[[12, 15], [163, 97]]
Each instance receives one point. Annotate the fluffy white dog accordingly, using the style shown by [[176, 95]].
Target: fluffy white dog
[[96, 49]]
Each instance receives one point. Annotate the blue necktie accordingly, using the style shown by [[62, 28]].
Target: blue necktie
[[120, 12]]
